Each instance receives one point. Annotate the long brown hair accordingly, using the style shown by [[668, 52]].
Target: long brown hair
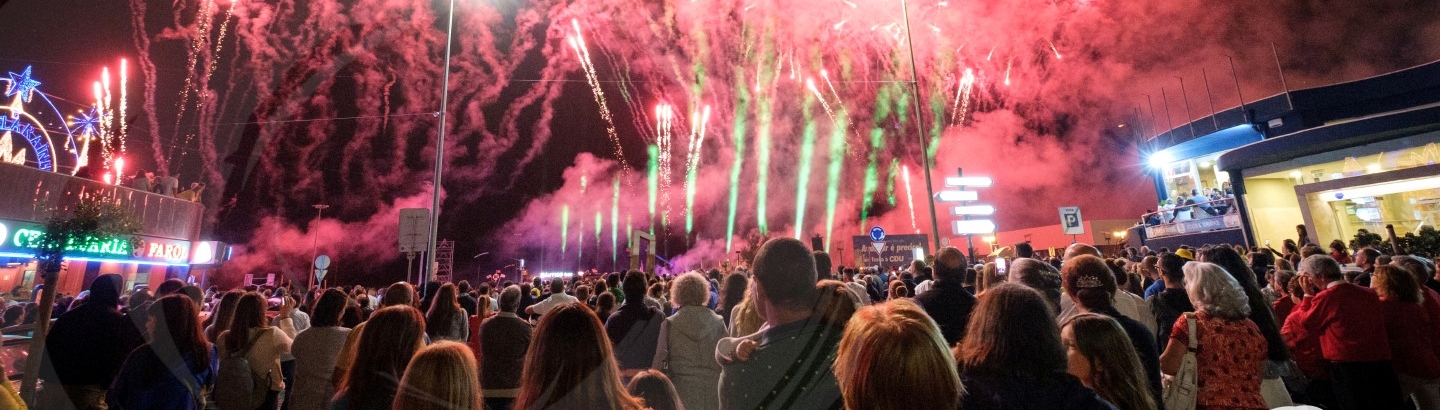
[[571, 364], [442, 376], [1392, 282], [893, 347], [177, 329], [221, 317], [1011, 333], [441, 318], [1115, 370], [390, 339], [249, 313]]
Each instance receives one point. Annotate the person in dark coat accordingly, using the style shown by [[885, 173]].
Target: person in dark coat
[[634, 328], [947, 301], [175, 370], [86, 347]]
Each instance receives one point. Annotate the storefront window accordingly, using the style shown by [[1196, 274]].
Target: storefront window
[[1274, 193]]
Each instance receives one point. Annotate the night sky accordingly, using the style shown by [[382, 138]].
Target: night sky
[[332, 102]]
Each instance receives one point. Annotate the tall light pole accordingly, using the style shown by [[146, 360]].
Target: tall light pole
[[920, 127], [440, 143], [314, 244]]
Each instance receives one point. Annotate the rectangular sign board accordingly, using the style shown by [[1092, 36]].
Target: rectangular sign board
[[1071, 220], [896, 250], [414, 229]]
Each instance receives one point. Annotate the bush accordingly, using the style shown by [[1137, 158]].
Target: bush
[[1364, 239]]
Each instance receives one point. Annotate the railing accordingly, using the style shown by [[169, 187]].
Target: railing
[[30, 195], [1200, 217]]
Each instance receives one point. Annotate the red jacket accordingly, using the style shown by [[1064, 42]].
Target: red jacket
[[1347, 320], [1412, 332]]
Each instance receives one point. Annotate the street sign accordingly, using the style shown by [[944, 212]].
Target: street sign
[[1071, 220], [957, 196], [414, 230], [322, 262], [877, 238], [978, 182], [981, 210], [973, 226]]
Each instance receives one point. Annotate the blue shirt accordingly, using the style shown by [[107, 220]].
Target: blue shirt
[[1157, 287]]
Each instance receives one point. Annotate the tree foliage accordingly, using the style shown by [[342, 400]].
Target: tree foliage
[[93, 219], [1426, 243], [1365, 239]]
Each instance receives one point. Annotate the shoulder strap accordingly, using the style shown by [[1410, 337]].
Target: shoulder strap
[[1190, 321]]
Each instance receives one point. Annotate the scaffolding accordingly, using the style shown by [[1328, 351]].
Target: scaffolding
[[445, 260]]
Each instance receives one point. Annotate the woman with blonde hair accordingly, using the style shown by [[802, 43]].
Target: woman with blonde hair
[[570, 364], [1100, 354], [989, 277], [896, 347], [1230, 350], [442, 376]]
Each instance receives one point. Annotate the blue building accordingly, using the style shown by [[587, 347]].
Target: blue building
[[1333, 159]]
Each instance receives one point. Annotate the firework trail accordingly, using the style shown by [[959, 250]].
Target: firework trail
[[738, 144], [807, 154], [615, 222], [582, 51], [692, 165], [664, 141], [910, 197], [203, 22], [564, 227], [810, 85], [141, 39], [124, 98], [962, 98]]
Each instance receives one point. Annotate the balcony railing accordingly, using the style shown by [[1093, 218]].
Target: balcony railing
[[1200, 217], [31, 195]]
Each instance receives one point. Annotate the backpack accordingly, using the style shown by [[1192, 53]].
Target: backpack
[[237, 388]]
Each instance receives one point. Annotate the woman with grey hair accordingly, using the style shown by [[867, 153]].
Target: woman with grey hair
[[1230, 350], [687, 341]]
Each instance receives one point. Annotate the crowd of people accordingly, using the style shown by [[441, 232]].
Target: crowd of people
[[1250, 328], [165, 184]]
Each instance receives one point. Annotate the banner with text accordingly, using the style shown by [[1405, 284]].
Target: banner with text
[[897, 250]]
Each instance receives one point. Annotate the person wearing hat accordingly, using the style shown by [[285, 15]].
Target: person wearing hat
[[1185, 253], [1130, 304]]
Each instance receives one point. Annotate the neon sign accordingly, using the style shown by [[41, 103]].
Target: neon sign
[[17, 122], [20, 239]]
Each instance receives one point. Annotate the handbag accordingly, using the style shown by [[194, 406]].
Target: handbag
[[1181, 391]]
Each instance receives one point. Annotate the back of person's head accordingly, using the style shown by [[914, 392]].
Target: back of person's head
[[138, 299], [1112, 366], [1077, 249], [1313, 249], [391, 337], [105, 291], [949, 265], [1089, 282], [612, 281], [1011, 332], [398, 294], [656, 389], [177, 329], [169, 287], [1321, 267], [442, 376], [732, 291], [443, 309], [634, 286], [463, 286], [1024, 250], [1215, 292], [329, 308], [1418, 266], [193, 292], [785, 272], [605, 304], [1040, 276], [836, 302], [822, 265], [1394, 283], [689, 289], [571, 364], [249, 313], [893, 349], [1172, 267], [510, 299]]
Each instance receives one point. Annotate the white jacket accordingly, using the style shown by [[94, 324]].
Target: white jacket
[[685, 353]]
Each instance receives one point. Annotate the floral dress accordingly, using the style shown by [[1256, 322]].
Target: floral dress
[[1229, 357]]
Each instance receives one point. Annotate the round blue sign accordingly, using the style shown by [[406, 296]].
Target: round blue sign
[[877, 234]]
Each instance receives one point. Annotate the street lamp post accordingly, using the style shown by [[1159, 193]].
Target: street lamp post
[[920, 128], [314, 244], [440, 142]]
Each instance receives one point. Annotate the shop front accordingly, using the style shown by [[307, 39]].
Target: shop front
[[1369, 173], [144, 261]]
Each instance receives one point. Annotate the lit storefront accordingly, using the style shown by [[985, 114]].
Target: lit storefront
[[144, 261], [1383, 172]]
